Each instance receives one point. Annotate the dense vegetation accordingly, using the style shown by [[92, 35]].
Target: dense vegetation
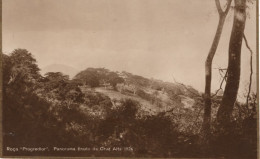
[[159, 119]]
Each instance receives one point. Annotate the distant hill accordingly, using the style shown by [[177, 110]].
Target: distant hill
[[67, 70], [152, 94]]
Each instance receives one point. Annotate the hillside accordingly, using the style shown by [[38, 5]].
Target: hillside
[[153, 95], [103, 108]]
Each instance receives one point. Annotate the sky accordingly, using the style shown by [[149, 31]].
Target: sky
[[153, 38]]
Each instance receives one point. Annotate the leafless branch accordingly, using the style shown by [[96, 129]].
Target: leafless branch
[[221, 70], [251, 69], [228, 7], [219, 8], [220, 11], [223, 79]]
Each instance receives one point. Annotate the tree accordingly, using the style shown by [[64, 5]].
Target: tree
[[234, 58], [90, 76], [24, 113], [55, 80], [56, 76], [114, 79], [92, 81], [6, 67], [20, 70], [23, 66], [208, 71]]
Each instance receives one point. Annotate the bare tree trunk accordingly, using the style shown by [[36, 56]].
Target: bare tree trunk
[[205, 131], [233, 78], [208, 72]]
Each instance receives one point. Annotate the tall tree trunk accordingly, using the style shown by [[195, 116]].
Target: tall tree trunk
[[205, 131], [233, 78], [208, 74]]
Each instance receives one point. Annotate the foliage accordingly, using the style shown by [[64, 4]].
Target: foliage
[[114, 79], [143, 94], [53, 110], [95, 76]]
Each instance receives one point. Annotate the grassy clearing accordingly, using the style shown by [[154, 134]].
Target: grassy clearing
[[114, 95]]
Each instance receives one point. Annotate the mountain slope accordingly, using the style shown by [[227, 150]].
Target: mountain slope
[[153, 95]]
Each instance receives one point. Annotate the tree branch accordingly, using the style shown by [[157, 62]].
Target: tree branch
[[228, 7], [221, 71], [220, 11], [251, 69], [220, 87]]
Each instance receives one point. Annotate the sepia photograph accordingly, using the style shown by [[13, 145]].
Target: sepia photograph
[[129, 79]]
